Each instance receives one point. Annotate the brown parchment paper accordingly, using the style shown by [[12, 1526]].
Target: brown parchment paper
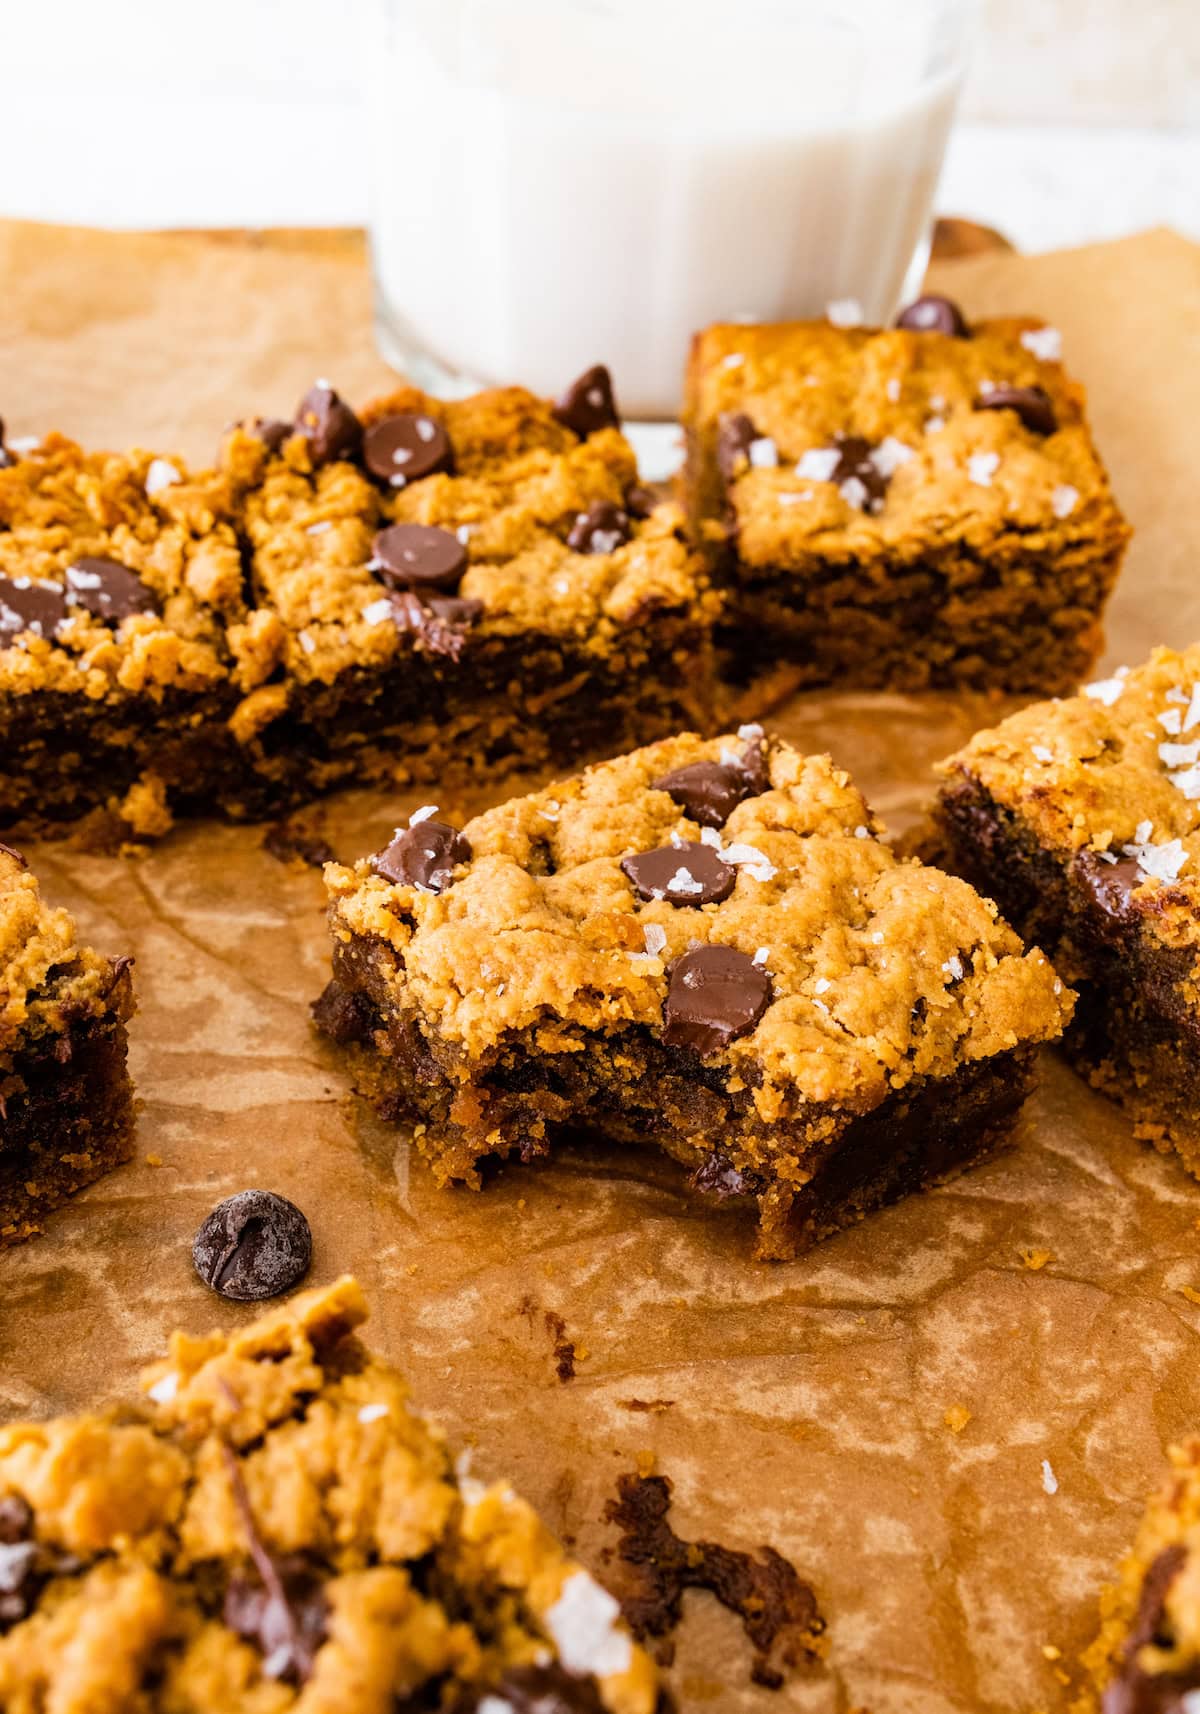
[[808, 1401]]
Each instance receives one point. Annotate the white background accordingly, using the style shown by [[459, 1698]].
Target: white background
[[1081, 118]]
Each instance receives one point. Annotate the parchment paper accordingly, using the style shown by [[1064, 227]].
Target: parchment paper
[[808, 1401]]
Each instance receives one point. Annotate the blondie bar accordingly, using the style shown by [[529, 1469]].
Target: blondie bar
[[428, 591], [66, 1103], [700, 945], [274, 1527], [909, 507], [1082, 820], [1146, 1658]]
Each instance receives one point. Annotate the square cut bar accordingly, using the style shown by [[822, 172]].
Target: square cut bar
[[1081, 818], [433, 590], [701, 946], [273, 1526], [66, 1102], [901, 508], [1146, 1657]]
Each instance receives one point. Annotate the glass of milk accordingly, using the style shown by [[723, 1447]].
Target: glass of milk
[[558, 183]]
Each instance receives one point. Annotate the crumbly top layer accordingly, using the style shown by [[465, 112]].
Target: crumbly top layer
[[259, 1536], [879, 970], [1116, 771], [940, 470], [60, 506], [46, 978]]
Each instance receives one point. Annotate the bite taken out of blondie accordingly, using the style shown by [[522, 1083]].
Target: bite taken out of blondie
[[702, 946]]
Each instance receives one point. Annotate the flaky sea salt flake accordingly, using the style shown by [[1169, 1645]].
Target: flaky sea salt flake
[[844, 312], [1044, 342], [583, 1623], [1049, 1479], [1064, 500], [818, 463], [981, 467], [161, 474], [763, 453]]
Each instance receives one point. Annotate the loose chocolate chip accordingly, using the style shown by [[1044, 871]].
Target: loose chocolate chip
[[1033, 405], [107, 589], [16, 1516], [404, 448], [424, 855], [931, 314], [856, 464], [721, 1178], [603, 528], [253, 1245], [29, 606], [287, 1623], [736, 434], [588, 403], [716, 994], [420, 555], [710, 791], [685, 874], [328, 424], [440, 622], [271, 431]]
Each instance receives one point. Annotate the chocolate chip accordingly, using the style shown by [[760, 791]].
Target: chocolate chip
[[287, 1623], [588, 403], [640, 501], [736, 434], [6, 457], [548, 1689], [21, 1578], [107, 589], [685, 874], [720, 1178], [603, 528], [329, 425], [29, 606], [424, 855], [253, 1245], [420, 554], [855, 464], [931, 314], [271, 431], [441, 623], [1033, 405], [716, 994], [1111, 884], [710, 791], [405, 447], [16, 1516]]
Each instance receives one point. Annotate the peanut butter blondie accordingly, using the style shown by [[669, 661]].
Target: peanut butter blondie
[[701, 945], [428, 591], [66, 1103], [273, 1527], [1146, 1658], [907, 507], [1081, 819]]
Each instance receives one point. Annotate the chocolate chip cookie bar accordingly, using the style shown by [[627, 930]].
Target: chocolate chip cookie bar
[[1146, 1658], [909, 507], [274, 1527], [1081, 819], [66, 1103], [430, 591], [701, 945]]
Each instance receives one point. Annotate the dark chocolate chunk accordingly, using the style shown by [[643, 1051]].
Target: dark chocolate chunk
[[107, 589], [291, 841], [777, 1607], [588, 403], [404, 448], [686, 874], [856, 464], [1033, 405], [710, 791], [328, 424], [271, 431], [287, 1622], [441, 623], [736, 434], [342, 1014], [932, 314], [640, 501], [423, 855], [29, 606], [16, 1520], [716, 994], [21, 1578], [420, 555], [720, 1178], [603, 528], [1111, 884], [548, 1689], [253, 1245]]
